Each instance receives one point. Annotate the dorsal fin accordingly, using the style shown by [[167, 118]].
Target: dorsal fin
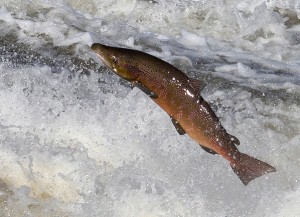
[[196, 84]]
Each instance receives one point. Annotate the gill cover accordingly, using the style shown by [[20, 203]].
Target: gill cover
[[117, 60]]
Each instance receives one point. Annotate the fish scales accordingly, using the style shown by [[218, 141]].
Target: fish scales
[[179, 96]]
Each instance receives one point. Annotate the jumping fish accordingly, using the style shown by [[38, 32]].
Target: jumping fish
[[179, 96]]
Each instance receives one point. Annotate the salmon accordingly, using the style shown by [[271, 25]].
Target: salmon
[[179, 96]]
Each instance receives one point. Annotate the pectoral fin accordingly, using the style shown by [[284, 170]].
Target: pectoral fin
[[177, 126], [208, 150], [145, 89]]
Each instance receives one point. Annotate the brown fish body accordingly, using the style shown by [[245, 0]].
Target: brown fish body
[[180, 100], [179, 96]]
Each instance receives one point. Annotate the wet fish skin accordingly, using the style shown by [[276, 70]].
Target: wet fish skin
[[180, 97]]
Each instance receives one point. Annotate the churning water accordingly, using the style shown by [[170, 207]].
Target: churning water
[[75, 140]]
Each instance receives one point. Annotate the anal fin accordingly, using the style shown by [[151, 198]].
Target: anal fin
[[208, 150], [177, 126]]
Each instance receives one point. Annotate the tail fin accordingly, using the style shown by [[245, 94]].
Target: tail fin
[[249, 168]]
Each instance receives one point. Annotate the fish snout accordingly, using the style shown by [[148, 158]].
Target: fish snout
[[102, 52]]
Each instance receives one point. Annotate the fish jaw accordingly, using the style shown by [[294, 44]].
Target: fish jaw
[[102, 52], [118, 60]]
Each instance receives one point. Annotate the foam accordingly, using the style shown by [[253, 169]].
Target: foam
[[74, 145], [291, 207]]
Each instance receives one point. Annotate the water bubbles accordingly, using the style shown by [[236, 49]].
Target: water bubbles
[[99, 148]]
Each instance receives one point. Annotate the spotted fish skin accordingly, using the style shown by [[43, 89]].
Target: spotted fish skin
[[179, 96]]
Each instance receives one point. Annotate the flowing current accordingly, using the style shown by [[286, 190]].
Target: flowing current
[[76, 140]]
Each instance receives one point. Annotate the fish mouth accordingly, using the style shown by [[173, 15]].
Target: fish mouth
[[104, 61], [100, 51]]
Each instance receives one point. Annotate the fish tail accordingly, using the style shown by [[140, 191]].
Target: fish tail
[[249, 168]]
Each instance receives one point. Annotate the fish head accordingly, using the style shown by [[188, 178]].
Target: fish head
[[117, 59]]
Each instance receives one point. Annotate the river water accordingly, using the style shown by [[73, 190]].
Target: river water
[[76, 140]]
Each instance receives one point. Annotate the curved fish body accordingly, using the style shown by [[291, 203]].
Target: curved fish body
[[179, 96]]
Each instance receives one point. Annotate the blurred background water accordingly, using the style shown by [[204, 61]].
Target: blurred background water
[[76, 140]]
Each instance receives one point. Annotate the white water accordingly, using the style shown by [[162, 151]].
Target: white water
[[75, 140]]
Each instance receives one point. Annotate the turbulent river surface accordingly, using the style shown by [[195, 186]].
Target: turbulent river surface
[[76, 140]]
